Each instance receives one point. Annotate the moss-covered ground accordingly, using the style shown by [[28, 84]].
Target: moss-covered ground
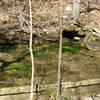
[[78, 63]]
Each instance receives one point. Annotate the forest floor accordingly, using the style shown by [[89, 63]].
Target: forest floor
[[78, 63]]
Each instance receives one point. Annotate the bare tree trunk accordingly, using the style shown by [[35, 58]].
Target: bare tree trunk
[[76, 9], [31, 52], [60, 53]]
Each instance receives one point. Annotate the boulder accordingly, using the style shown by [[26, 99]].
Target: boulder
[[6, 57]]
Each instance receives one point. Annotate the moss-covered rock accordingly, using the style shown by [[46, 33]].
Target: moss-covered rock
[[6, 57], [72, 48], [17, 65]]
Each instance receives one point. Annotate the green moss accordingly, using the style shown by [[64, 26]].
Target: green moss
[[17, 65], [71, 49]]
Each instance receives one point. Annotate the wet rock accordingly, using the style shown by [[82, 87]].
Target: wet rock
[[6, 57], [92, 42], [52, 35], [13, 35]]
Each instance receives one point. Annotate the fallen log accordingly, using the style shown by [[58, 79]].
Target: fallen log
[[25, 89], [81, 83]]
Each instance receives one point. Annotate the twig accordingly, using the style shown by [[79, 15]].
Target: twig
[[60, 54], [22, 21], [31, 52]]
